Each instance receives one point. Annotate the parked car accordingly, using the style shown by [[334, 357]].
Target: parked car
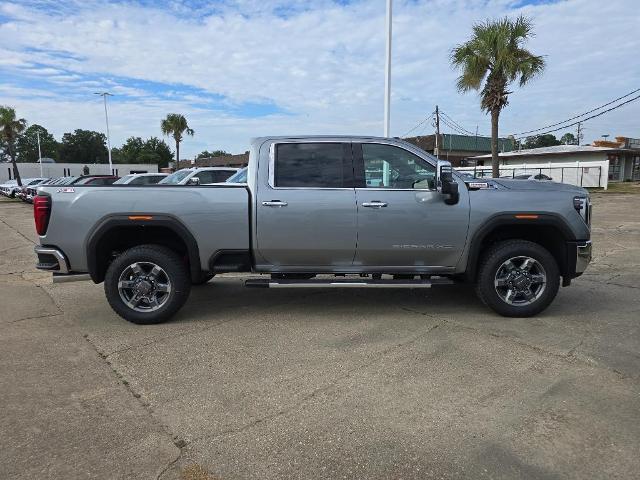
[[12, 189], [22, 194], [306, 210], [527, 176], [199, 176], [141, 179], [7, 186], [94, 180], [239, 177]]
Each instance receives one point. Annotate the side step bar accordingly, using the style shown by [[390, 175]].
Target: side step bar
[[346, 283]]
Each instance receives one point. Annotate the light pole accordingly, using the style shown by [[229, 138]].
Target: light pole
[[104, 96], [39, 154], [387, 76]]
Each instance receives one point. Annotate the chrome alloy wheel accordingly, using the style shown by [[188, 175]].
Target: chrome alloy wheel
[[144, 286], [520, 281]]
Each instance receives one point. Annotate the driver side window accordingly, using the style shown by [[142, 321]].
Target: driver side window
[[386, 166]]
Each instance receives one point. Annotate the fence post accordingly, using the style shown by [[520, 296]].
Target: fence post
[[581, 176], [562, 175], [599, 177]]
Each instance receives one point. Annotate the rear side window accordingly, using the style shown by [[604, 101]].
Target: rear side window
[[311, 165]]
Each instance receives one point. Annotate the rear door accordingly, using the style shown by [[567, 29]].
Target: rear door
[[306, 208], [403, 222]]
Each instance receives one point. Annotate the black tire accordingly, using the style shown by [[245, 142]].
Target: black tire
[[203, 278], [495, 258], [174, 269]]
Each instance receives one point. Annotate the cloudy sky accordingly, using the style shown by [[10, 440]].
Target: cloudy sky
[[243, 68]]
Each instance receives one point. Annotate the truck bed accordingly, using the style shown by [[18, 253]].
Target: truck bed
[[216, 215]]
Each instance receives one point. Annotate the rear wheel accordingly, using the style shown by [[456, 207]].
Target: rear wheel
[[518, 278], [147, 284]]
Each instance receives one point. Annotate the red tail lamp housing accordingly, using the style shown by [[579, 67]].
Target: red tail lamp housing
[[41, 213]]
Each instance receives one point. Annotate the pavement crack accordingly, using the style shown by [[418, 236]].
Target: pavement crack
[[171, 463], [318, 391], [35, 317]]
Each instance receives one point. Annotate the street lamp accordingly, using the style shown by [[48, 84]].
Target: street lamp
[[604, 137], [387, 75], [104, 96], [39, 152]]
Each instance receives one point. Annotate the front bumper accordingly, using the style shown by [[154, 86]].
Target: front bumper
[[583, 256]]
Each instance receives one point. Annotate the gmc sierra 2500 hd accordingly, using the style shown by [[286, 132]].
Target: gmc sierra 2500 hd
[[368, 212]]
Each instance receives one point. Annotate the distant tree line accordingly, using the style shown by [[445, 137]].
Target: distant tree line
[[549, 140], [87, 146]]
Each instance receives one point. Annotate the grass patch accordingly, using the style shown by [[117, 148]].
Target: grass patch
[[196, 472], [619, 187]]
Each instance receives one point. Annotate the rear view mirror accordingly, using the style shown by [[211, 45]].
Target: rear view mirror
[[446, 183]]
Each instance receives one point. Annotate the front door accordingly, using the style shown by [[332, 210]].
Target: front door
[[306, 212], [403, 221]]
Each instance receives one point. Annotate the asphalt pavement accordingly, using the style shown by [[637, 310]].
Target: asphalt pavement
[[275, 384]]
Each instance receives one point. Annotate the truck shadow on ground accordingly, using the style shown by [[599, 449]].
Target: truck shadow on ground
[[225, 297]]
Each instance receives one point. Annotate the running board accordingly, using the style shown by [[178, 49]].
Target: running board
[[346, 283]]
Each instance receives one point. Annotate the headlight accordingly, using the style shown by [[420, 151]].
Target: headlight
[[583, 207]]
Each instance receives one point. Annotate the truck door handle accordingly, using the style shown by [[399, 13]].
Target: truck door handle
[[374, 204], [275, 203]]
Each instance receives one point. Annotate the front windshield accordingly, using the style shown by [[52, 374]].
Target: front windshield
[[123, 179], [175, 178], [238, 177]]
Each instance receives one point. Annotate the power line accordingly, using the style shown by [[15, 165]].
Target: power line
[[578, 116], [457, 124], [589, 118], [419, 124]]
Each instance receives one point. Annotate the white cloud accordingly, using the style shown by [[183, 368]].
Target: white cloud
[[321, 62]]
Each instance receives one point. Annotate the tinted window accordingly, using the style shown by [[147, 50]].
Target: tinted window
[[214, 176], [386, 166], [319, 165]]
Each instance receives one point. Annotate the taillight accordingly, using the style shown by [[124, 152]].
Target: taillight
[[41, 213]]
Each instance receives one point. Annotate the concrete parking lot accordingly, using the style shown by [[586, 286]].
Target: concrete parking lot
[[271, 384]]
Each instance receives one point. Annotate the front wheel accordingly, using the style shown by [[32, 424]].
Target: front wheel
[[518, 278], [147, 284]]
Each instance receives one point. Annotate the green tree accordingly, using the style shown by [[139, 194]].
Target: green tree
[[136, 150], [539, 141], [568, 139], [27, 144], [495, 55], [84, 146], [130, 151], [175, 125], [157, 151], [215, 153], [10, 128]]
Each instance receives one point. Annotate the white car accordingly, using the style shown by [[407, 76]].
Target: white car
[[199, 176], [526, 176], [141, 179], [11, 188]]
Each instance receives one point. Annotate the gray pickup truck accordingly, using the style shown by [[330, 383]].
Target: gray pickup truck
[[320, 212]]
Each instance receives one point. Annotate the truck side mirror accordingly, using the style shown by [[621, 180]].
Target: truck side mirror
[[445, 182], [193, 181]]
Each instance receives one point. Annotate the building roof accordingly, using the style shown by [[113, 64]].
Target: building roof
[[555, 150], [465, 143]]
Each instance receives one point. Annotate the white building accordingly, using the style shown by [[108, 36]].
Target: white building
[[621, 162]]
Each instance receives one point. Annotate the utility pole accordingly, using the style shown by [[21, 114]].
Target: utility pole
[[39, 154], [578, 138], [436, 151], [104, 96], [387, 75]]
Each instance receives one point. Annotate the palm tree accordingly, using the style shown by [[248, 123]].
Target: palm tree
[[10, 128], [175, 125], [495, 52]]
